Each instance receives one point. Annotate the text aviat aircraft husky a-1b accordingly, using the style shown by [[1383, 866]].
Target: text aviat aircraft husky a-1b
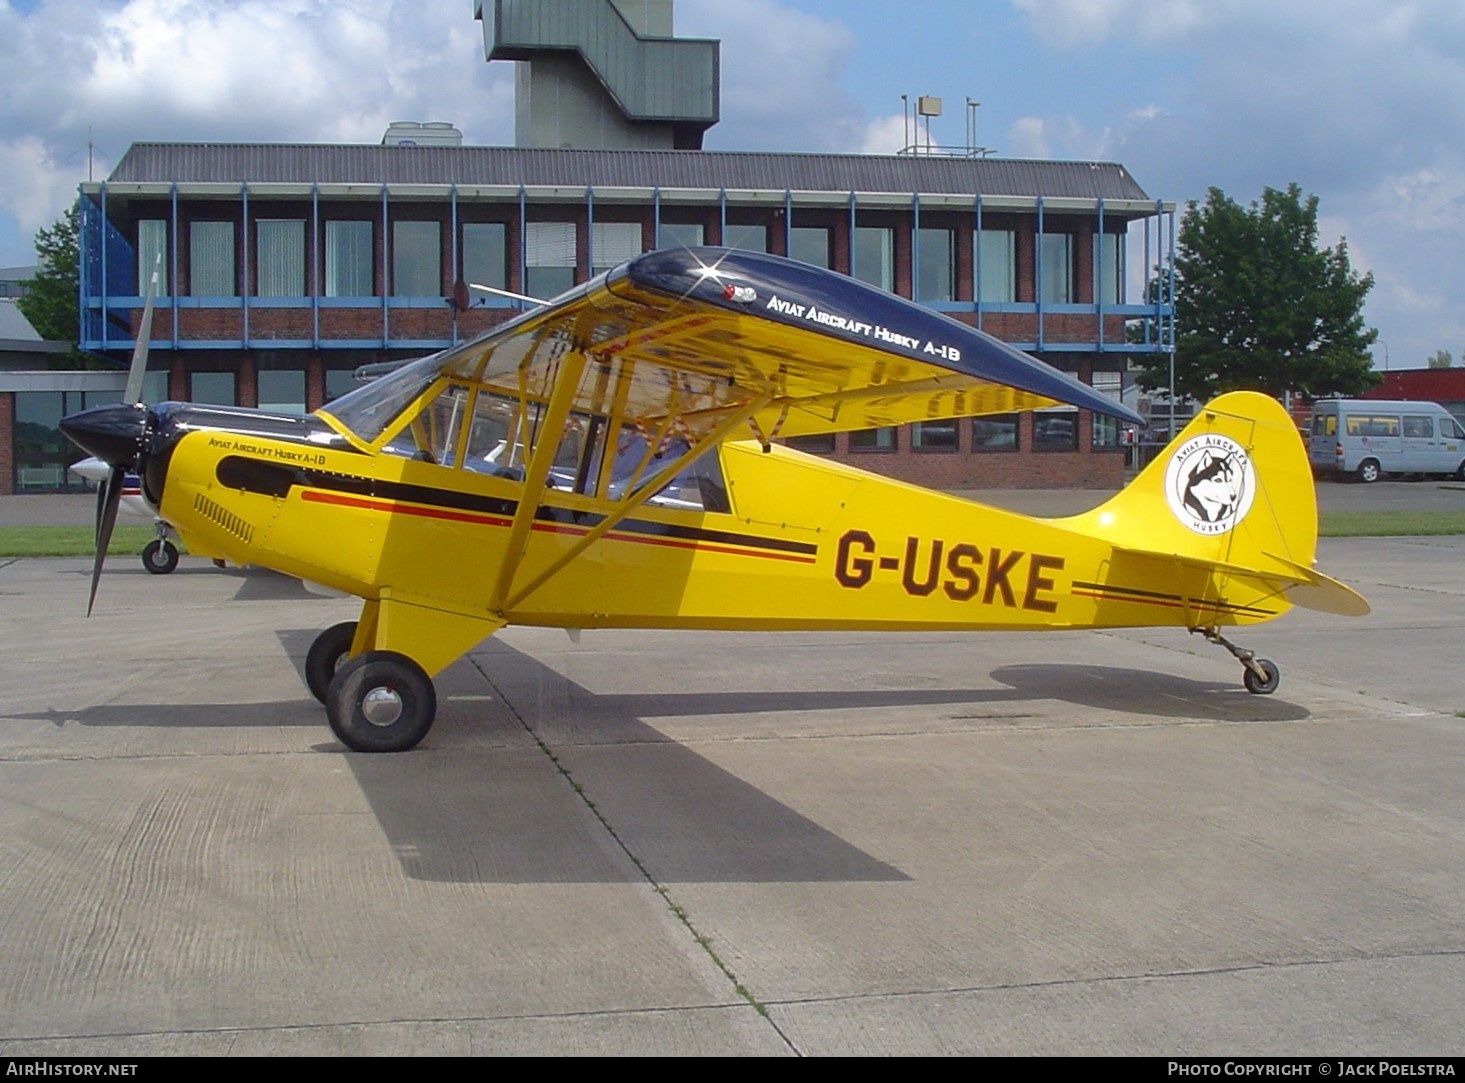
[[607, 461]]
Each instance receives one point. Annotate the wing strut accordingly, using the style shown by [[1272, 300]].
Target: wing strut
[[537, 472], [635, 499]]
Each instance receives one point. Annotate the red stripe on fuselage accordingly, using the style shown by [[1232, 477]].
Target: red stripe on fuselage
[[317, 497]]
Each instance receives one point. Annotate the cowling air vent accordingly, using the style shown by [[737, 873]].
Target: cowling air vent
[[225, 518]]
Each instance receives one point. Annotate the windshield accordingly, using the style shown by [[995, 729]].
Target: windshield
[[368, 410]]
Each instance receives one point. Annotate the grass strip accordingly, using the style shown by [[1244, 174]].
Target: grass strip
[[1389, 524], [69, 541]]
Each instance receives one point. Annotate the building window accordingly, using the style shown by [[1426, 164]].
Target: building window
[[549, 258], [750, 238], [873, 256], [216, 388], [612, 243], [680, 235], [997, 265], [821, 444], [882, 439], [1105, 428], [152, 253], [935, 265], [282, 390], [1056, 287], [281, 257], [1055, 430], [211, 259], [1105, 432], [809, 244], [416, 259], [348, 259], [934, 435], [155, 386], [997, 432], [339, 382], [484, 254], [1108, 269]]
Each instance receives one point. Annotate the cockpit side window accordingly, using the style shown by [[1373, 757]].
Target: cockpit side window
[[493, 437], [369, 410], [435, 434], [696, 486]]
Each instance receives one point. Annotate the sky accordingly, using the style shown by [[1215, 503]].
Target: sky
[[1361, 104]]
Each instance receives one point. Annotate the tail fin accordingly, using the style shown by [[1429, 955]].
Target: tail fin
[[1233, 493]]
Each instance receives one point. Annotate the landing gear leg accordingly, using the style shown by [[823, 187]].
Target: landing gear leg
[[1260, 675]]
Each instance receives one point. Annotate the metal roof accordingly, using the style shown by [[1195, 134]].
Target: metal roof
[[284, 163]]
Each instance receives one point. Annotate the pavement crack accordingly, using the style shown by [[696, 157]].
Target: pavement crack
[[679, 912], [1112, 979]]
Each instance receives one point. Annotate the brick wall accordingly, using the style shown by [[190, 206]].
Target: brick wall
[[966, 468]]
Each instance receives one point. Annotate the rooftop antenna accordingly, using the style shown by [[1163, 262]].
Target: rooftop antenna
[[928, 107]]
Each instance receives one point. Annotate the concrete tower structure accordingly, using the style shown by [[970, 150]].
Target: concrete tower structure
[[603, 74]]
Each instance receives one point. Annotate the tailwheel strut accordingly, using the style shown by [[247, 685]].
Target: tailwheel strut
[[1260, 675]]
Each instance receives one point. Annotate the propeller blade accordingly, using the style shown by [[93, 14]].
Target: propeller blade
[[101, 506], [106, 520], [138, 368]]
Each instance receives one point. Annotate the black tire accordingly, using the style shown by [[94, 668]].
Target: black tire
[[1255, 685], [159, 557], [380, 701], [1369, 472], [325, 657], [1460, 472]]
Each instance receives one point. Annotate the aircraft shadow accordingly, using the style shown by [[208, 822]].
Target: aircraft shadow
[[480, 803]]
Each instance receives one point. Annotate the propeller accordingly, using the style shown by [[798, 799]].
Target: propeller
[[115, 434]]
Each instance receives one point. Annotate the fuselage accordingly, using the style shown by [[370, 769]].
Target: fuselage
[[792, 542]]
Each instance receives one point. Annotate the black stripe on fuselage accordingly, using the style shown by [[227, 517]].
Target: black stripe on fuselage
[[276, 479]]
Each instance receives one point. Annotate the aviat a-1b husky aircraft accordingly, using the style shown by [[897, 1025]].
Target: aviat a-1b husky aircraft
[[609, 461]]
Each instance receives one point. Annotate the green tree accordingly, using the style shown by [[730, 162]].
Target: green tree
[[1441, 359], [1260, 306], [51, 301]]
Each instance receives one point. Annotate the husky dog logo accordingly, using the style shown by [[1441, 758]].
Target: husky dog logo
[[1209, 484]]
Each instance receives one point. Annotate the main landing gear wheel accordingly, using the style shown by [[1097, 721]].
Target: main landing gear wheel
[[160, 556], [1261, 685], [325, 656], [380, 701]]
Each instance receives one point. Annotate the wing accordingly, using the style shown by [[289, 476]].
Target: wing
[[687, 337]]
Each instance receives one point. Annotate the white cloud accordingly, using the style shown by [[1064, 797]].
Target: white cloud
[[1028, 138], [1070, 23], [781, 73], [248, 71], [885, 135], [35, 188]]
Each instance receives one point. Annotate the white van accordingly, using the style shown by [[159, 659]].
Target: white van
[[1368, 438]]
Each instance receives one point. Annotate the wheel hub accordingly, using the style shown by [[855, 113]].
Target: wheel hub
[[381, 706]]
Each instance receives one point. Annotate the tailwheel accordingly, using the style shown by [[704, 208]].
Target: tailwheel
[[1265, 683], [1260, 675], [325, 657], [380, 701], [160, 556]]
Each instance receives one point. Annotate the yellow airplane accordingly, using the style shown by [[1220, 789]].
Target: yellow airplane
[[609, 461]]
